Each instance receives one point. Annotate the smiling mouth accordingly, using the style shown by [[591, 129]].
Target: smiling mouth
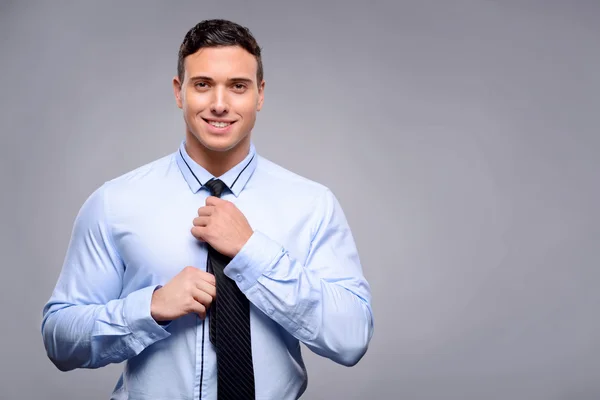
[[218, 124]]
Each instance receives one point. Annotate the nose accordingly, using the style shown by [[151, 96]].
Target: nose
[[219, 102]]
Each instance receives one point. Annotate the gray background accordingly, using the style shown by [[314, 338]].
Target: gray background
[[476, 120]]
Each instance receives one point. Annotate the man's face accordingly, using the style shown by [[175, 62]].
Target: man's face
[[220, 96]]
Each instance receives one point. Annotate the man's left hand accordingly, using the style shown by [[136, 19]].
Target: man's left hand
[[222, 225]]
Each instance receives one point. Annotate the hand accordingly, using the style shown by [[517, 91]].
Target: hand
[[222, 225], [191, 290]]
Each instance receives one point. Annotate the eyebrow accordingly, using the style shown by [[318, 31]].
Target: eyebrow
[[209, 79]]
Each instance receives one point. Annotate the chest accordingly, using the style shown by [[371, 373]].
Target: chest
[[156, 243]]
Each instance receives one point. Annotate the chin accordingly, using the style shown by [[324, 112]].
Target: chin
[[219, 144]]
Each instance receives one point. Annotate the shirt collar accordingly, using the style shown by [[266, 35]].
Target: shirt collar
[[196, 176]]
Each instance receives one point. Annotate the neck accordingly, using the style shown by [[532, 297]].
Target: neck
[[216, 162]]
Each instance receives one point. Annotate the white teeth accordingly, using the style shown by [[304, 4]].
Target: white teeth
[[219, 124]]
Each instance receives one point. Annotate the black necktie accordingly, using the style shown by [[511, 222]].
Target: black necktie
[[230, 326]]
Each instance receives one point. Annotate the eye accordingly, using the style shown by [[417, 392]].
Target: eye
[[239, 87], [201, 85]]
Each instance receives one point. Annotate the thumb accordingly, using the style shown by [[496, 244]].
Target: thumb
[[213, 201]]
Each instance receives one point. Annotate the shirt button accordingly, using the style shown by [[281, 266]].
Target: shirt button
[[270, 311], [239, 278]]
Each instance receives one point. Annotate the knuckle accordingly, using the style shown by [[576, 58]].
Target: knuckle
[[209, 278], [188, 306], [188, 286], [188, 269]]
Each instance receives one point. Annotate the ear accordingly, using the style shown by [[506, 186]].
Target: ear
[[177, 91], [261, 95]]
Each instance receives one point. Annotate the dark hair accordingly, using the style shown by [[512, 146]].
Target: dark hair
[[217, 33]]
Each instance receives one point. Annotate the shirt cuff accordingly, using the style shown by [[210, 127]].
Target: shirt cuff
[[137, 315], [257, 256]]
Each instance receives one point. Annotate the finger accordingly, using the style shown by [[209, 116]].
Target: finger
[[199, 232], [207, 287], [206, 276], [198, 308], [202, 297], [201, 221], [206, 211]]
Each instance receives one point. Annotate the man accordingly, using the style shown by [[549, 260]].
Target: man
[[205, 269]]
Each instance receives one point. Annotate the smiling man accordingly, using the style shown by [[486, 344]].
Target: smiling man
[[204, 270]]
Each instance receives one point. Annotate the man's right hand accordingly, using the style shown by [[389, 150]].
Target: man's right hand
[[190, 291]]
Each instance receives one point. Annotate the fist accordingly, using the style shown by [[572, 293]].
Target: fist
[[222, 225], [190, 291]]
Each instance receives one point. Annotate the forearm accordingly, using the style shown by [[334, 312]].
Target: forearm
[[330, 317], [91, 336]]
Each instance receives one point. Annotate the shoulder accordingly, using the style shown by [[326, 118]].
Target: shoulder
[[295, 190], [283, 180], [146, 175], [139, 186]]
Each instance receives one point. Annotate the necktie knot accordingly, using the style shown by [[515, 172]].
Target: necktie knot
[[216, 187]]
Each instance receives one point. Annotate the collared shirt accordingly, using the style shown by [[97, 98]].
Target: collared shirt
[[300, 270]]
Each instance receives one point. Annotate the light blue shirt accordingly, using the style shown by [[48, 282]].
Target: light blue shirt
[[300, 270]]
